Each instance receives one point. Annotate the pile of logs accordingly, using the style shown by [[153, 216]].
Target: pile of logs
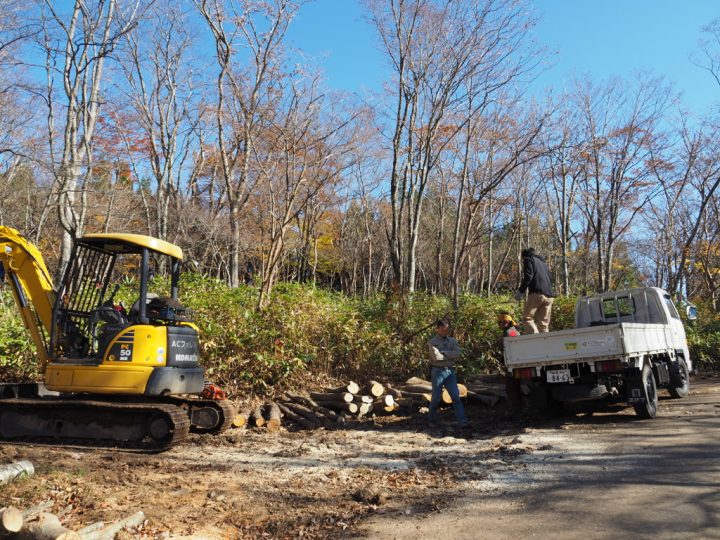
[[326, 408], [358, 401], [420, 391], [333, 406]]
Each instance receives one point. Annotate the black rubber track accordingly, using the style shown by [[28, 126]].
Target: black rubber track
[[225, 409], [138, 426]]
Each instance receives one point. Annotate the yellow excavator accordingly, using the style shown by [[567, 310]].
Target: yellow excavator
[[111, 376]]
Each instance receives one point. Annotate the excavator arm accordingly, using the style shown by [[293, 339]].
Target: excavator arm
[[31, 285]]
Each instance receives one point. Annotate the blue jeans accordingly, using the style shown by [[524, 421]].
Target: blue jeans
[[445, 377]]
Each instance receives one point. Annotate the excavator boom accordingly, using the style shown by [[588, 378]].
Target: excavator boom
[[31, 285]]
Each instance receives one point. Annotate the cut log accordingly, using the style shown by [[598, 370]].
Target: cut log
[[365, 408], [339, 406], [394, 392], [488, 400], [374, 388], [363, 399], [351, 387], [315, 406], [257, 416], [422, 388], [489, 389], [418, 396], [347, 397], [15, 470], [30, 513], [384, 401], [446, 395], [274, 422], [11, 520], [48, 527], [407, 402], [295, 417], [308, 413], [109, 532], [416, 380], [242, 418]]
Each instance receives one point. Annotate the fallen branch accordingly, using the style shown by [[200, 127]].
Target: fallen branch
[[109, 532]]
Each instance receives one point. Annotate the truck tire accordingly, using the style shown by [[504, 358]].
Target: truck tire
[[648, 407], [679, 380]]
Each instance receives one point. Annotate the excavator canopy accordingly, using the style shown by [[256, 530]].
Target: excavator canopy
[[122, 243]]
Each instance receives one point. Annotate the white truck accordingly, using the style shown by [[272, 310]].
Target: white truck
[[625, 345]]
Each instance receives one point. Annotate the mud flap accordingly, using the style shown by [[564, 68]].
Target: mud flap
[[634, 389]]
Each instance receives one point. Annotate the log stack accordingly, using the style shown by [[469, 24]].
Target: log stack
[[420, 390], [329, 407]]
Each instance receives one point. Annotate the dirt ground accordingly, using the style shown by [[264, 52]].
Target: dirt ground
[[394, 478]]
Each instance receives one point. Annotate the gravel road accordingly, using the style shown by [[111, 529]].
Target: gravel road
[[605, 475]]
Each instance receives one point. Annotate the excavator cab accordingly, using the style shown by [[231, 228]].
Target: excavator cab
[[140, 368], [97, 346]]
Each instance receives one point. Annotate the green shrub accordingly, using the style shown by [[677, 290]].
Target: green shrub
[[18, 360], [306, 334]]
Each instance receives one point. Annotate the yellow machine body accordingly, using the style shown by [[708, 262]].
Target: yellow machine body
[[128, 362]]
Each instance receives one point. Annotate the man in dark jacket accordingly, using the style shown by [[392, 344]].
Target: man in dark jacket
[[536, 280]]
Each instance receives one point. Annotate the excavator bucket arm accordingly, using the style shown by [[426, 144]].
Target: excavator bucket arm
[[31, 285]]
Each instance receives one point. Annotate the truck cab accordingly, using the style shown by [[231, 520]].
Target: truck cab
[[644, 305]]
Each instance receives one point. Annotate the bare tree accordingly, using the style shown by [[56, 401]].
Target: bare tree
[[243, 92], [161, 92], [303, 153], [621, 133], [76, 45], [436, 49], [559, 174]]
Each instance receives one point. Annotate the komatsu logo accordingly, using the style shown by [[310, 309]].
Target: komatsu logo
[[186, 357]]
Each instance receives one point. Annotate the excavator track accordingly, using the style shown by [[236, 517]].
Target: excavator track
[[206, 415], [138, 426]]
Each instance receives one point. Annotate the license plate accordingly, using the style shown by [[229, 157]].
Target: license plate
[[558, 376]]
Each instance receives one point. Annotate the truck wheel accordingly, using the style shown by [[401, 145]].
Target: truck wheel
[[649, 405], [680, 381]]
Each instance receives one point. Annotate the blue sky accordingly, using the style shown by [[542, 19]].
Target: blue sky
[[603, 38]]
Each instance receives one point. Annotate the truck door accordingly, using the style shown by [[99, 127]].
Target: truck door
[[675, 331]]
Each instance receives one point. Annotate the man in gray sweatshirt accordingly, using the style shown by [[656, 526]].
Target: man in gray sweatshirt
[[444, 351]]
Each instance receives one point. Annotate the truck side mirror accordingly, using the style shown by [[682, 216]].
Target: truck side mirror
[[691, 312]]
